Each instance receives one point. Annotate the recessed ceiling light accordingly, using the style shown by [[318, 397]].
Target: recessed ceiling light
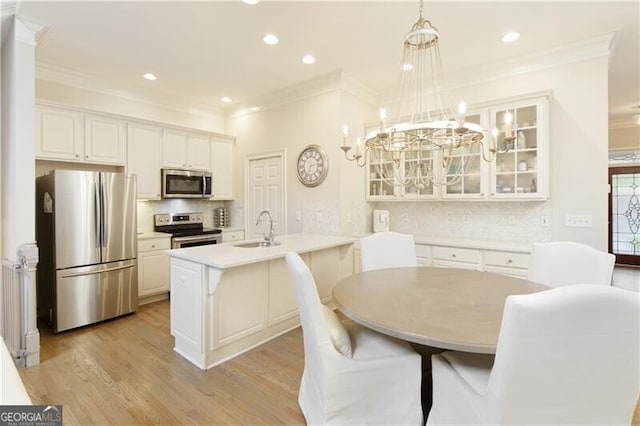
[[308, 59], [407, 67], [254, 108], [510, 37], [226, 100], [149, 76], [251, 2], [270, 39]]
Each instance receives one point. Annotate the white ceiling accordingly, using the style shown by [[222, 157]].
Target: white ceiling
[[206, 50]]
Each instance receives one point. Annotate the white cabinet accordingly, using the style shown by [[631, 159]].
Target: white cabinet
[[59, 134], [457, 257], [186, 150], [518, 170], [521, 172], [507, 263], [222, 160], [67, 135], [423, 254], [105, 140], [153, 266], [143, 158], [232, 235], [187, 309]]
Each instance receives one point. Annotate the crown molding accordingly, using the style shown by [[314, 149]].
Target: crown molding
[[68, 77], [591, 48], [326, 83]]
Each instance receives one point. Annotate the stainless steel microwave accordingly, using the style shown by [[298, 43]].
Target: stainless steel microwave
[[178, 183]]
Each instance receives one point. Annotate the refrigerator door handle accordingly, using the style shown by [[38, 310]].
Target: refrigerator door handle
[[97, 217], [98, 271], [103, 211]]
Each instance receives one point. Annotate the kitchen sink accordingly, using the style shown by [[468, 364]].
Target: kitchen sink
[[255, 244]]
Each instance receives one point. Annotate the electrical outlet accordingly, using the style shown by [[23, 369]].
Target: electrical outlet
[[544, 221], [511, 220]]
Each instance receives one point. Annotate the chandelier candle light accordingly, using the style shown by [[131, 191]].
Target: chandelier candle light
[[425, 127]]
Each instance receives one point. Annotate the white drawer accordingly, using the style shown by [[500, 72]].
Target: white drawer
[[507, 259], [456, 254], [150, 244], [423, 250], [232, 236]]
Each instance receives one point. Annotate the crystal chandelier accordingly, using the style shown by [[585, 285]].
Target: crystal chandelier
[[426, 133]]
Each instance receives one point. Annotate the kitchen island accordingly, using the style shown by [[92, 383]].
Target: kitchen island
[[227, 299]]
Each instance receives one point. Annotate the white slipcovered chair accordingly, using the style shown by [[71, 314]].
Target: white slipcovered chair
[[568, 355], [387, 250], [378, 384], [566, 262]]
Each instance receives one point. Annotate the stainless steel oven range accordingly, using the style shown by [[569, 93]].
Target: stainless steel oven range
[[186, 229]]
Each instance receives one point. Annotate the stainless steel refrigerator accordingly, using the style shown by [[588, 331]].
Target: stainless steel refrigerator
[[86, 232]]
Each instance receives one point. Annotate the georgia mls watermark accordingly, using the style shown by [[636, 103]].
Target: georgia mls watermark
[[30, 415]]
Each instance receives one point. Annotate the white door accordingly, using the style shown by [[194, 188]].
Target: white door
[[265, 191]]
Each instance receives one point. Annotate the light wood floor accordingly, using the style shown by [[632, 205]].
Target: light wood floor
[[125, 372]]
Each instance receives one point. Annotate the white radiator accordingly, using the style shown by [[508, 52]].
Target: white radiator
[[11, 318], [18, 323]]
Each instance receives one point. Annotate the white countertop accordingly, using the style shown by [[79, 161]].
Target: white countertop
[[227, 255], [511, 246]]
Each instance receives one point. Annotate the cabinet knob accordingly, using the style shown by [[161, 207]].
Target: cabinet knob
[[153, 246], [77, 156], [453, 255], [509, 261]]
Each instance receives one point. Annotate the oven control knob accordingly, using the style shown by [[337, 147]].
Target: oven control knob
[[199, 217]]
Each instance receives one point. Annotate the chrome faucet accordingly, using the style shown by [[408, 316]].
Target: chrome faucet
[[267, 237]]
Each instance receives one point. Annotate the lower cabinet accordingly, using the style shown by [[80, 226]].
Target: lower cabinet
[[456, 257], [153, 267], [217, 314], [505, 262]]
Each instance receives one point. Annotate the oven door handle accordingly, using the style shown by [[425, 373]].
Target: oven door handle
[[206, 237]]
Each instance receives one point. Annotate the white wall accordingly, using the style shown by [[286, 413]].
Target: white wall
[[313, 114]]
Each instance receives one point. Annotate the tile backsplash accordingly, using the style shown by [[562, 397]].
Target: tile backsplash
[[507, 221], [146, 210]]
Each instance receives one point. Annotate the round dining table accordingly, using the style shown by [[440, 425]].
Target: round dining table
[[444, 308]]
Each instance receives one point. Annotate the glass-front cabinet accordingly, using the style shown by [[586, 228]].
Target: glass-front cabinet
[[518, 169], [520, 172], [465, 168]]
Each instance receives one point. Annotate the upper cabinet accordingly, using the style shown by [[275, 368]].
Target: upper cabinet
[[105, 140], [143, 158], [68, 135], [186, 150], [59, 134], [517, 170], [521, 172], [222, 159]]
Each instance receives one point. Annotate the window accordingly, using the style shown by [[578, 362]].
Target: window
[[624, 214]]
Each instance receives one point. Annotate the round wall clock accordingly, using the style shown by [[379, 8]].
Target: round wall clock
[[312, 166]]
